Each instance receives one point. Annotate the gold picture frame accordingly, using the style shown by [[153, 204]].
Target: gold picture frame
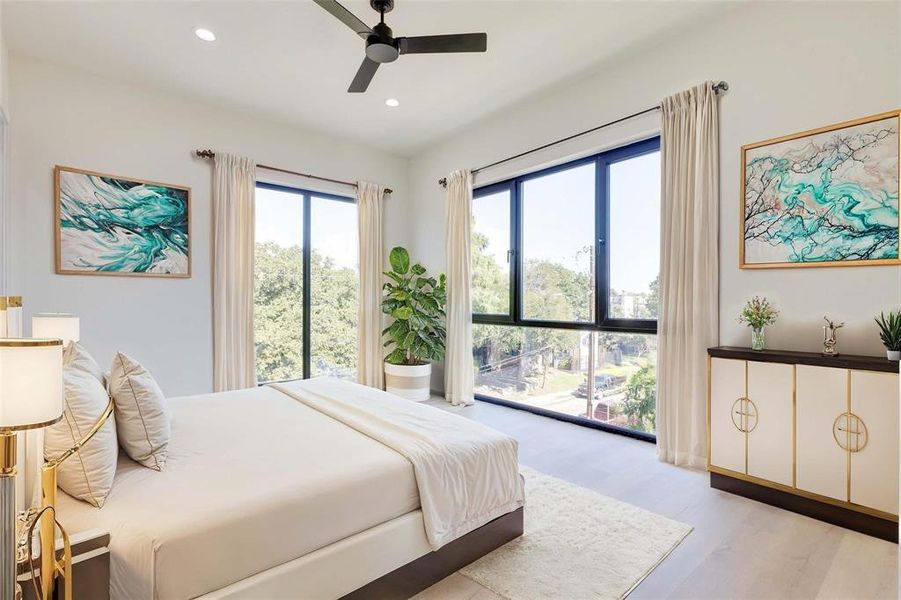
[[178, 227], [743, 260]]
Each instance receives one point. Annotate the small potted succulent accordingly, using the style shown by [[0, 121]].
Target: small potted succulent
[[417, 336], [757, 314], [890, 333]]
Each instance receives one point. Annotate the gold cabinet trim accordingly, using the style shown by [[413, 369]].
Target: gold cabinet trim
[[804, 493]]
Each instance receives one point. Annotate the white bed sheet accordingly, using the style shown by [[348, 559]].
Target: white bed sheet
[[322, 482]]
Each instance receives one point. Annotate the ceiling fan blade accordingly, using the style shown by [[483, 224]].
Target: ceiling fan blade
[[458, 42], [346, 17], [364, 75]]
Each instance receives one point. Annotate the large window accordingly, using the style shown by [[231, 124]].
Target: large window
[[565, 278], [306, 284]]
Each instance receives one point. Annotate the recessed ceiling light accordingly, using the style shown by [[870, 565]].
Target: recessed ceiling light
[[205, 34], [392, 102]]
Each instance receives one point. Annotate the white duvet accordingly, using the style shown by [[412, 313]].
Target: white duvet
[[467, 473], [260, 477]]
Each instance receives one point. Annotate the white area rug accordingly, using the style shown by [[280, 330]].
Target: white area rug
[[577, 545]]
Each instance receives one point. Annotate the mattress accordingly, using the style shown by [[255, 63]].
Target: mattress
[[217, 514]]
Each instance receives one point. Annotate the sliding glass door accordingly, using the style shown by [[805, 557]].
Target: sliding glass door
[[306, 284]]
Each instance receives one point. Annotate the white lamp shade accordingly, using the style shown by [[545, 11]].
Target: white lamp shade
[[60, 326], [31, 383]]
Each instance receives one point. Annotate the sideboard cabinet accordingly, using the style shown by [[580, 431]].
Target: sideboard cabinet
[[813, 434]]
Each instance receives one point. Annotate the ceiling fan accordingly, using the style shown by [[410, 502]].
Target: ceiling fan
[[383, 47]]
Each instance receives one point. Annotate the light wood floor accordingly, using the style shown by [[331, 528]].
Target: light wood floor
[[738, 549]]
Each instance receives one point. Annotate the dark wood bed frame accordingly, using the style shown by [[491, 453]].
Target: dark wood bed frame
[[412, 578]]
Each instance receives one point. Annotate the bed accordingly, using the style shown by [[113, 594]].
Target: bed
[[313, 489]]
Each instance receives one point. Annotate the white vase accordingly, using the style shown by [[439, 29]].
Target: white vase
[[893, 354], [412, 382]]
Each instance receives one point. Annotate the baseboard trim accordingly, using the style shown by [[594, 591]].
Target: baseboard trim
[[843, 517]]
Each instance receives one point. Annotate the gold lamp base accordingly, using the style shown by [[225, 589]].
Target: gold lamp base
[[8, 587], [52, 567]]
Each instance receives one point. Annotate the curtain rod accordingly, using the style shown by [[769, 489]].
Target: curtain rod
[[718, 88], [211, 154]]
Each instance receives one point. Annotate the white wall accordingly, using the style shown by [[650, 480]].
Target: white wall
[[790, 67], [76, 119], [5, 226]]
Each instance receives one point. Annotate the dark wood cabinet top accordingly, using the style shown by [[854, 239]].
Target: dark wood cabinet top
[[842, 361]]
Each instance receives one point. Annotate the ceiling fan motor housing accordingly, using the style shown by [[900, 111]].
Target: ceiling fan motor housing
[[381, 46], [382, 6]]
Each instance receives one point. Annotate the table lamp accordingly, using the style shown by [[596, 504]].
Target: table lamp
[[65, 327], [55, 326], [31, 397]]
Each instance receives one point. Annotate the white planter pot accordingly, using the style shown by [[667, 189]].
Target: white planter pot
[[409, 381], [893, 354]]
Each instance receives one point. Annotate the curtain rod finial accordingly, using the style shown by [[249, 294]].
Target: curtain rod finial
[[720, 86], [205, 153], [443, 182]]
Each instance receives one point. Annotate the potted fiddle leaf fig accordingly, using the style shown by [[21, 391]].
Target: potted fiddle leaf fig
[[890, 333], [417, 336]]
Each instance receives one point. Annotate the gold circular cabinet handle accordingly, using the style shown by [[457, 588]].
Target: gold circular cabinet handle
[[752, 412], [850, 432], [745, 410], [840, 433], [738, 410]]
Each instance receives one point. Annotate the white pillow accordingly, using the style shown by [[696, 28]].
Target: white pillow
[[75, 356], [88, 474], [142, 415]]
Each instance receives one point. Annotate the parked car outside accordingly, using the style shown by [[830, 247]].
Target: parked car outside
[[601, 382]]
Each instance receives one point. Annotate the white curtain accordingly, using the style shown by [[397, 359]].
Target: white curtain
[[688, 319], [458, 375], [369, 329], [234, 182]]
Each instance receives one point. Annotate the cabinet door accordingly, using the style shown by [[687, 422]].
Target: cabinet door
[[770, 389], [874, 468], [727, 442], [822, 465]]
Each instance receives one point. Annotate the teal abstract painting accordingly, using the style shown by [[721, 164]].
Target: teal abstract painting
[[827, 197], [110, 225]]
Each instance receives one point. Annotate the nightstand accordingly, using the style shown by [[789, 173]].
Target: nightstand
[[90, 567]]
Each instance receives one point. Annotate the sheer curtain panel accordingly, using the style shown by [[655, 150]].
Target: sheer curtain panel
[[458, 375], [369, 333], [234, 182], [689, 312]]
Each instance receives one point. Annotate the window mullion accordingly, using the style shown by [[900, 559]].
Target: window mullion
[[516, 266], [602, 259], [307, 283]]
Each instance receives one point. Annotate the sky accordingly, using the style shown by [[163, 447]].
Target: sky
[[279, 219], [558, 220]]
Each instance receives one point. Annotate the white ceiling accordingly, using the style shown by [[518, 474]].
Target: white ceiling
[[292, 61]]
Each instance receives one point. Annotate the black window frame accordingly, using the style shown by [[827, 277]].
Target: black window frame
[[306, 197], [601, 321]]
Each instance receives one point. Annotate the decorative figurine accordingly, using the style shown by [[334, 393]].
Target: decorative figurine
[[829, 341]]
